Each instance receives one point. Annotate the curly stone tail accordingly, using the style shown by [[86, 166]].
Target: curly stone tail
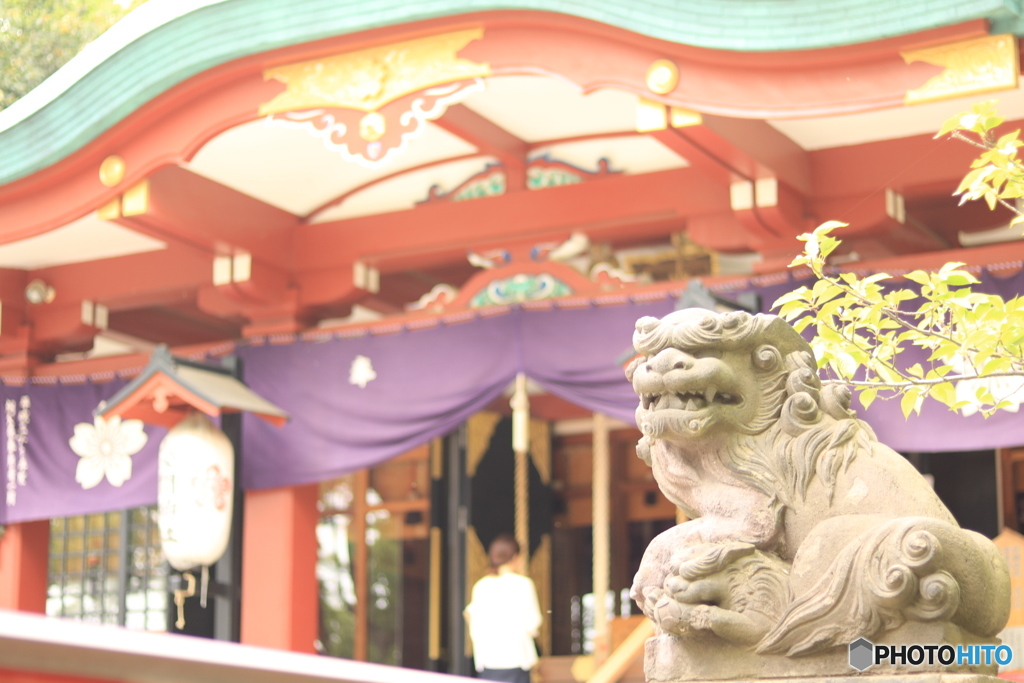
[[909, 569]]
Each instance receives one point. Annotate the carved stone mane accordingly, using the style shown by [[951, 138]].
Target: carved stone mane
[[798, 513]]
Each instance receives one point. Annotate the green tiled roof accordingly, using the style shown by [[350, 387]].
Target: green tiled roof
[[165, 42]]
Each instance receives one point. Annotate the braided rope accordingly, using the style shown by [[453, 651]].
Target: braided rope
[[521, 445]]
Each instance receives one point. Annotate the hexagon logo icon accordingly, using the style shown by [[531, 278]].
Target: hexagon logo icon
[[862, 654]]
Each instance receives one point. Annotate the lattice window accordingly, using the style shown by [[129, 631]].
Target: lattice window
[[108, 568]]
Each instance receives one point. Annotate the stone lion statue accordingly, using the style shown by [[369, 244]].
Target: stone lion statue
[[806, 533]]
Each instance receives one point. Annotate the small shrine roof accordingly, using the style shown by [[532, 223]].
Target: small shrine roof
[[181, 385]]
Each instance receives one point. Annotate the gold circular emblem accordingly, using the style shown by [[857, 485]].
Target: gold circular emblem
[[662, 76], [372, 127], [112, 170]]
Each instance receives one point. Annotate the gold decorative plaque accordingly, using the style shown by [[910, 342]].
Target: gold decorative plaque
[[368, 79], [971, 66]]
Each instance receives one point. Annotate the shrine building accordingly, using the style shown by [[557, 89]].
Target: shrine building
[[356, 234]]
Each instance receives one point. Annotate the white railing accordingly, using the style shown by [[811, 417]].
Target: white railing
[[47, 645]]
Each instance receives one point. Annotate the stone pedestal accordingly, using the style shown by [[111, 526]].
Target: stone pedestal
[[928, 677], [706, 657]]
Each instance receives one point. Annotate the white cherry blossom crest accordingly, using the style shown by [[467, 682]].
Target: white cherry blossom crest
[[361, 372], [105, 448]]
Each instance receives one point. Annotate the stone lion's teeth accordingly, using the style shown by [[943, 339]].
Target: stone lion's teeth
[[727, 398], [709, 394], [691, 404]]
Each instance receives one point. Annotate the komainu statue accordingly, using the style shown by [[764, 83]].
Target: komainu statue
[[806, 533]]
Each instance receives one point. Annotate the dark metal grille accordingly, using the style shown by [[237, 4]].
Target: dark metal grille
[[108, 568]]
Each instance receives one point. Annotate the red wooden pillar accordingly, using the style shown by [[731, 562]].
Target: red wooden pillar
[[24, 564], [280, 605]]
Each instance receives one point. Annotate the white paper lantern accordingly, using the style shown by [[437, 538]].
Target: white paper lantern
[[195, 492]]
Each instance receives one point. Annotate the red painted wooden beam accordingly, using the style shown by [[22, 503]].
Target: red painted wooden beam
[[129, 281], [489, 138], [727, 164], [600, 207], [754, 148], [191, 209], [905, 164], [340, 199]]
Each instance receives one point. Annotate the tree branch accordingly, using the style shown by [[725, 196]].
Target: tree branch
[[919, 382]]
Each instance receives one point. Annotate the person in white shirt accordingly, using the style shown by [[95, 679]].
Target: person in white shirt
[[504, 617]]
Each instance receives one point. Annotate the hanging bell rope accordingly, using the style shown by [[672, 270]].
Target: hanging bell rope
[[521, 446]]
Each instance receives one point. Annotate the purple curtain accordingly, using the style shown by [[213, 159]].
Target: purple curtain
[[576, 354], [37, 423], [415, 386], [425, 383], [358, 401]]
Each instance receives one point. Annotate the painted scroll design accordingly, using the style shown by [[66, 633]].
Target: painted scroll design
[[520, 288]]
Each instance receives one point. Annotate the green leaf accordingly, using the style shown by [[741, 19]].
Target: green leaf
[[847, 364], [828, 226], [945, 393], [795, 295], [918, 276], [867, 397], [949, 125], [907, 403], [801, 324]]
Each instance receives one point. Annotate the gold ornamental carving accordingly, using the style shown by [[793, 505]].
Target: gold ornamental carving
[[112, 170], [973, 66], [368, 79], [662, 76]]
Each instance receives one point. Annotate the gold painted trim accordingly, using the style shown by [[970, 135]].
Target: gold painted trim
[[135, 201], [372, 127], [479, 430], [650, 116], [112, 170], [110, 210], [540, 572], [368, 79], [683, 118], [434, 596], [972, 67], [437, 459], [662, 76], [540, 448]]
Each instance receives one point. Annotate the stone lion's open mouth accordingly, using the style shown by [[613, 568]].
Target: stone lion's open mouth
[[689, 400]]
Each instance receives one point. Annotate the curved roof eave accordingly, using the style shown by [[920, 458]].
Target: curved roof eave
[[165, 42]]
